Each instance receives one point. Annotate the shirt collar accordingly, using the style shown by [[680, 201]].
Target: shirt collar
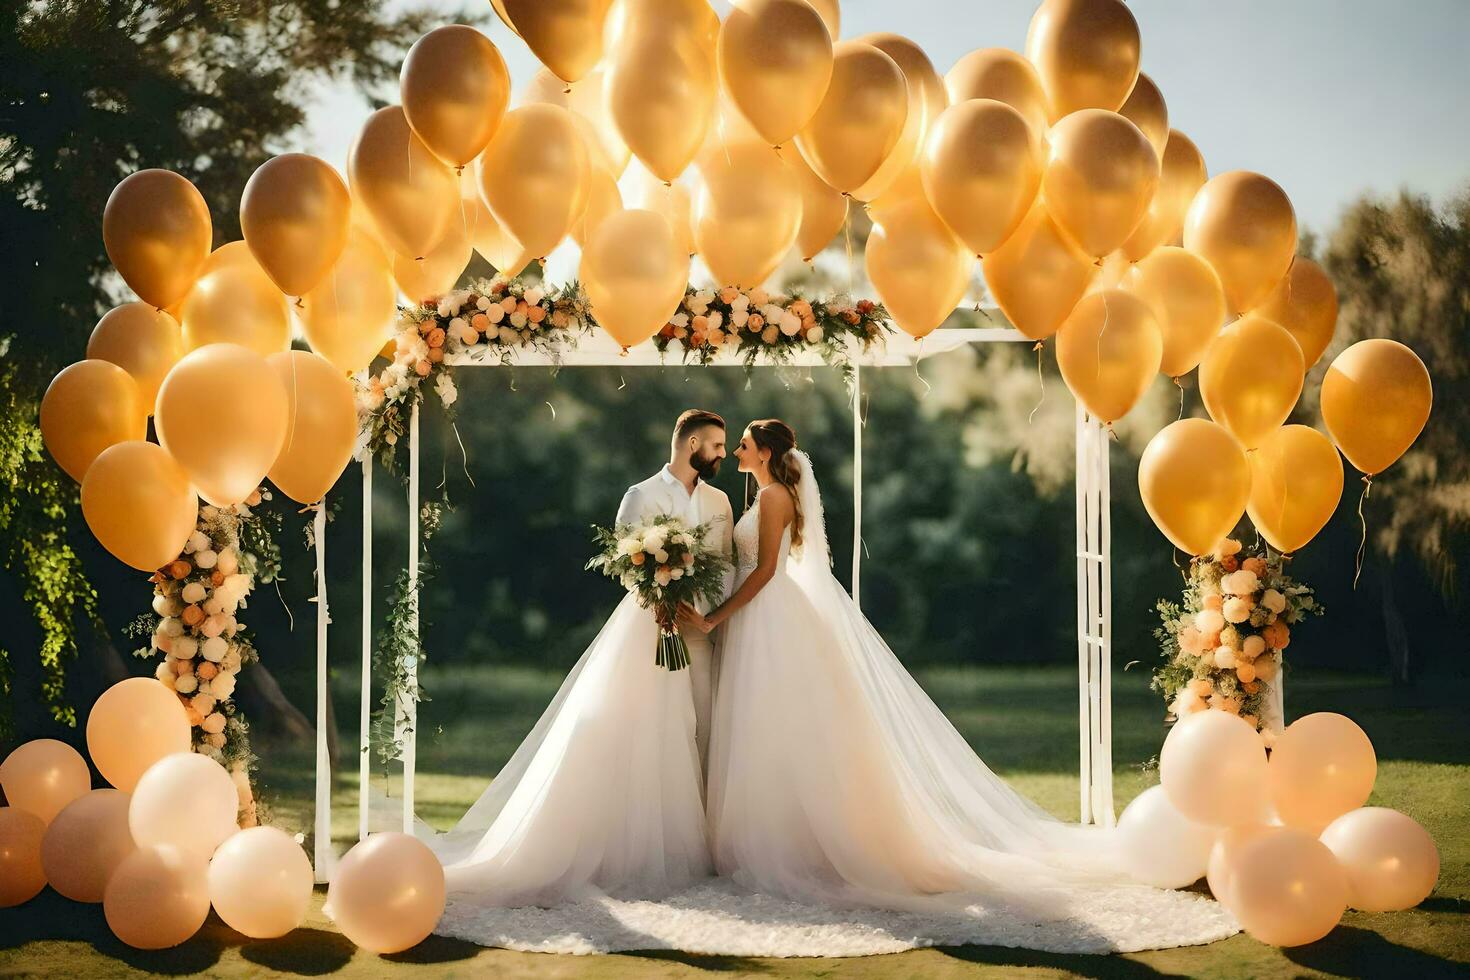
[[670, 478]]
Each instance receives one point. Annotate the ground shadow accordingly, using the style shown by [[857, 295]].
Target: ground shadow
[[1353, 952], [713, 964], [304, 952], [1073, 964]]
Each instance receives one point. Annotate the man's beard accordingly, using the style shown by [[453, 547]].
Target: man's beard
[[705, 467]]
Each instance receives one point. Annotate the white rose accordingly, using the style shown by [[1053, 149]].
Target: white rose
[[741, 304], [205, 559], [231, 663], [184, 648], [483, 304], [1252, 647], [165, 673], [198, 541], [1241, 582], [186, 683], [171, 627], [790, 324], [715, 319], [223, 686], [1273, 600], [627, 546], [443, 309], [680, 319], [662, 576], [214, 649], [1224, 658], [1209, 621], [495, 313], [1236, 610], [214, 723], [739, 318], [815, 335], [676, 573], [534, 296], [214, 606], [660, 556], [167, 605], [193, 592]]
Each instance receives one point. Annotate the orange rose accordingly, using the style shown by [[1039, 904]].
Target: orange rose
[[1257, 565], [480, 322], [206, 670], [728, 294], [700, 324], [436, 337], [755, 322], [1215, 602], [436, 355], [1229, 563], [217, 578], [422, 369], [195, 718], [192, 616], [536, 314], [1276, 635], [637, 558], [180, 568]]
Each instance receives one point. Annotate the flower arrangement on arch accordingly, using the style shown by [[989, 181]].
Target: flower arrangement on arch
[[1222, 645], [754, 325]]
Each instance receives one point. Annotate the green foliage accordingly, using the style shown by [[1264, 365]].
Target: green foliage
[[399, 651]]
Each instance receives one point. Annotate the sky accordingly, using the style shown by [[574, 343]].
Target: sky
[[1330, 98]]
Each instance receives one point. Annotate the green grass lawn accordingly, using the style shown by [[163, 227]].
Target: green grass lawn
[[1023, 721]]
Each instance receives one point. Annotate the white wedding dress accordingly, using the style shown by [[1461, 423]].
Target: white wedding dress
[[846, 815]]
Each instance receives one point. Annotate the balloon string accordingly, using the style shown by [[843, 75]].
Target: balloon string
[[1106, 313], [918, 354], [1180, 385], [463, 453], [979, 287], [1040, 382], [1363, 521], [290, 619], [1174, 556], [847, 234], [553, 411]]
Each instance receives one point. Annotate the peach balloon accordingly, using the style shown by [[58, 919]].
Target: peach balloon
[[1213, 767], [1322, 766], [88, 407], [260, 883], [1187, 298], [1390, 860], [139, 503], [412, 196], [747, 214], [1251, 377], [21, 874], [586, 103], [635, 275], [142, 341], [1296, 483], [1181, 175], [673, 202], [823, 209], [860, 119], [158, 897], [131, 726], [926, 101], [1108, 350], [235, 302], [831, 15], [346, 317], [920, 270], [1286, 888], [437, 272], [602, 200], [1243, 224], [295, 215], [1376, 398], [534, 176], [1038, 274], [1158, 845], [1146, 109], [776, 63], [1086, 52], [455, 88], [1005, 76], [157, 232], [185, 789], [981, 168], [487, 236], [1305, 303], [1195, 481], [43, 776], [222, 413], [566, 35], [1099, 178], [1228, 842], [85, 844], [388, 893], [323, 426]]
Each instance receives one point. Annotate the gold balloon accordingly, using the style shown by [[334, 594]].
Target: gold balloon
[[1195, 481], [776, 61], [1002, 75], [673, 201], [137, 500], [455, 88], [141, 340], [926, 101], [823, 210], [323, 426], [1037, 274], [295, 214], [1146, 109], [1296, 482], [43, 776], [1108, 350], [157, 232], [388, 891], [136, 722], [981, 168], [158, 897], [486, 235], [21, 874], [831, 15], [534, 176], [1244, 225], [586, 103], [635, 274], [223, 413], [1250, 378], [412, 196], [346, 317], [436, 273], [860, 119], [235, 302], [920, 270], [1305, 303], [1086, 53], [747, 214], [1376, 397], [566, 35], [602, 200], [1181, 175], [89, 406], [1188, 300], [1099, 178], [85, 843]]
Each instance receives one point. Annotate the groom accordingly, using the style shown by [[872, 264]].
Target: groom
[[682, 489]]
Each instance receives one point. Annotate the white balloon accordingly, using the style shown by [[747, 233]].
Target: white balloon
[[184, 800], [1159, 845]]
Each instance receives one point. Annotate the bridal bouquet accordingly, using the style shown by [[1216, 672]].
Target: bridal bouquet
[[664, 562]]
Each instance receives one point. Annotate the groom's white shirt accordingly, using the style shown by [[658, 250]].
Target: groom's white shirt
[[665, 493]]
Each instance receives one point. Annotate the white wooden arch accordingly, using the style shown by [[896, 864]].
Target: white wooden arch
[[1094, 572]]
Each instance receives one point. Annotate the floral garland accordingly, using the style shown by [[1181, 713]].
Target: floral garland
[[756, 326], [400, 646], [503, 316], [1223, 646]]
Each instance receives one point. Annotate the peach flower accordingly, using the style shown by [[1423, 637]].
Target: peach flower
[[1276, 635], [179, 568], [1224, 658], [192, 616], [1253, 647], [509, 304], [1214, 601], [195, 718], [755, 323], [1222, 703], [436, 337], [206, 669], [1209, 621], [1229, 563], [1236, 610], [422, 369], [1190, 641], [1265, 668], [436, 355], [536, 314], [1246, 672], [1226, 548], [1257, 565], [1201, 687]]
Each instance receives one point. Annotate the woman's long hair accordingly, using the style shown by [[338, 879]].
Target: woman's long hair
[[779, 438]]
